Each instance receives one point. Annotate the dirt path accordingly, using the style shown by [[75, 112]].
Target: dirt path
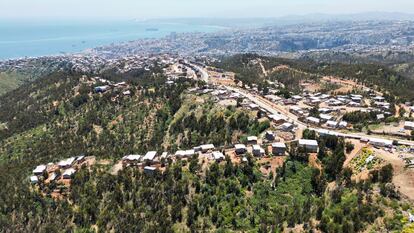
[[403, 177]]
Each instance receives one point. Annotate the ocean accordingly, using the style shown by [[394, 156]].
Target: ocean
[[33, 39]]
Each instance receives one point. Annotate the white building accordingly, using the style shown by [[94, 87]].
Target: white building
[[218, 156], [34, 179], [313, 120], [258, 151], [66, 163], [287, 126], [68, 173], [150, 156], [252, 140], [409, 125], [380, 142], [308, 145], [278, 148], [240, 149], [343, 124], [207, 147], [39, 170], [332, 124]]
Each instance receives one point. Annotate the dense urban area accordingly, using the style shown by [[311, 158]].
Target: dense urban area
[[280, 129]]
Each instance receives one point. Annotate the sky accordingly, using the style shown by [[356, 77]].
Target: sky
[[145, 9]]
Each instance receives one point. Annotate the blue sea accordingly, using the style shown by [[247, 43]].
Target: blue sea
[[32, 39]]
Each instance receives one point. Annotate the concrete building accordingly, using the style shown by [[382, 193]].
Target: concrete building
[[286, 127], [313, 120], [149, 170], [149, 156], [207, 147]]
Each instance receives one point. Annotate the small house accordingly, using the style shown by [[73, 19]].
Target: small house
[[258, 151], [380, 142], [131, 160], [409, 125], [68, 173], [313, 120], [278, 148], [149, 156], [34, 180], [240, 149], [270, 135], [66, 163], [218, 156], [149, 170], [207, 147], [332, 124], [39, 170], [308, 145], [287, 127], [252, 140]]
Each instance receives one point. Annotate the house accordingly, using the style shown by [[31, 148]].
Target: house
[[80, 159], [313, 120], [207, 147], [149, 170], [150, 156], [277, 119], [286, 127], [258, 151], [380, 117], [270, 135], [66, 163], [332, 124], [240, 149], [184, 153], [218, 156], [252, 140], [68, 173], [379, 99], [380, 142], [128, 92], [131, 160], [39, 170], [325, 117], [409, 125], [343, 124], [253, 106], [308, 145], [101, 89], [278, 148], [53, 176], [34, 180]]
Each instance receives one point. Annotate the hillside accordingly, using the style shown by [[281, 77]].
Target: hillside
[[247, 69], [61, 115]]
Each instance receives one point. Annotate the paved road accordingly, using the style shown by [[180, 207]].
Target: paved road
[[275, 109]]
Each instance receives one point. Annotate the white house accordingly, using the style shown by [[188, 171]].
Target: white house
[[332, 124], [252, 140], [66, 163], [258, 150], [240, 149], [68, 173], [409, 125], [150, 156], [343, 124], [34, 179], [286, 126], [207, 147], [308, 145], [39, 170], [149, 170], [380, 142], [278, 148], [313, 120], [218, 156]]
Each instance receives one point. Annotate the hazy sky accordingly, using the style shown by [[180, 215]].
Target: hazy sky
[[127, 9]]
